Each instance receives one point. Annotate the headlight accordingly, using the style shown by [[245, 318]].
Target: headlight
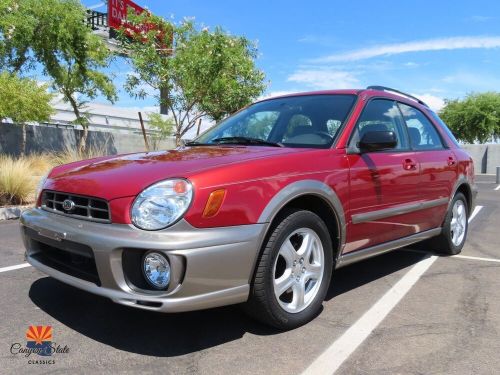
[[162, 204], [39, 187]]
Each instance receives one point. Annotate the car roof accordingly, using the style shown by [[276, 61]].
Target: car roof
[[321, 92], [364, 93]]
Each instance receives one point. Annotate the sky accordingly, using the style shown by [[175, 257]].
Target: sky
[[433, 49]]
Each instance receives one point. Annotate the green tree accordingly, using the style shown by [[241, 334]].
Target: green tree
[[53, 33], [23, 100], [475, 118], [205, 73], [163, 126]]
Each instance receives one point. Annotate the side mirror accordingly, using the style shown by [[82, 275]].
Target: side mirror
[[377, 141]]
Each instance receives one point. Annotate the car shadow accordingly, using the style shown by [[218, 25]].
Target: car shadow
[[353, 276], [167, 335]]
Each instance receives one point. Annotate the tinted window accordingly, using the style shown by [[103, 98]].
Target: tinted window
[[333, 126], [298, 121], [445, 128], [256, 125], [381, 115], [423, 135], [297, 124]]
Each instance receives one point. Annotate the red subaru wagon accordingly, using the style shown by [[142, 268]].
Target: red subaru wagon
[[260, 209]]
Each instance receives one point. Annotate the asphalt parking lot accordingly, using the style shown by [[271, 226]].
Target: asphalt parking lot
[[406, 312]]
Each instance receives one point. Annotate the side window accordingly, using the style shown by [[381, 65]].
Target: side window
[[445, 128], [423, 135], [381, 115]]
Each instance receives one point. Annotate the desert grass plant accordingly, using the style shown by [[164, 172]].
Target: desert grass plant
[[71, 155], [17, 183], [20, 176], [40, 164]]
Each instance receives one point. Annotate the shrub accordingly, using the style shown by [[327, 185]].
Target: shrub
[[19, 177], [40, 164], [17, 183], [71, 155]]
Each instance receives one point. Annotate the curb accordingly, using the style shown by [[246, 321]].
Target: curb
[[12, 212]]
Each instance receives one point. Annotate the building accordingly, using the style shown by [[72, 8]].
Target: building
[[103, 117]]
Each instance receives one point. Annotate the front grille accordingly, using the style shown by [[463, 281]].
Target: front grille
[[69, 257], [86, 208]]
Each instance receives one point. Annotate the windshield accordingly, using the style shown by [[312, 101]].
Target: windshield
[[297, 121]]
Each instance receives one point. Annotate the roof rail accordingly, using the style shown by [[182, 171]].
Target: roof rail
[[383, 88]]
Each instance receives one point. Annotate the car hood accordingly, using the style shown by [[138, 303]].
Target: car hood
[[128, 175]]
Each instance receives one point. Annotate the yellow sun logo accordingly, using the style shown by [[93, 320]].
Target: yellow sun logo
[[38, 334]]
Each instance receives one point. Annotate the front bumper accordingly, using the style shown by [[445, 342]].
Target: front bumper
[[211, 267]]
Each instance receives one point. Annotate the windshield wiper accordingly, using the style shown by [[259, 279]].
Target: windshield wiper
[[245, 141], [195, 143]]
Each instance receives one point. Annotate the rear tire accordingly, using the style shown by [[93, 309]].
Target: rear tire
[[455, 227], [293, 271]]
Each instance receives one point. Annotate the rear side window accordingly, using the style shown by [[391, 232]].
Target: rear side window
[[445, 128], [381, 115], [423, 135]]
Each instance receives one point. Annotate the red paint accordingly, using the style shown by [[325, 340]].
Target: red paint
[[252, 176], [379, 181]]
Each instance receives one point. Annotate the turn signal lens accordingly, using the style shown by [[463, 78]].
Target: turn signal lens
[[181, 187], [214, 203]]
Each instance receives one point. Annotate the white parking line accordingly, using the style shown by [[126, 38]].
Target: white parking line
[[475, 212], [498, 187], [16, 267], [333, 357], [476, 258], [455, 256]]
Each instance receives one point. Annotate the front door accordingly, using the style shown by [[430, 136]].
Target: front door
[[384, 185]]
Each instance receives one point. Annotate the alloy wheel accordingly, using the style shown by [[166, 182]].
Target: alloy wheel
[[458, 224], [298, 270]]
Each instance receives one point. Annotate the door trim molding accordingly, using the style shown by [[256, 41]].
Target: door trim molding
[[395, 211], [369, 252]]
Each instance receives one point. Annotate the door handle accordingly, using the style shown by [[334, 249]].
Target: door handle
[[451, 161], [409, 164]]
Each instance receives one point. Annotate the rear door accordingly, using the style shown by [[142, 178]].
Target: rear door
[[438, 166], [384, 185]]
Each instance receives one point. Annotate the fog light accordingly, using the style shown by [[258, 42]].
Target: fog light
[[156, 270]]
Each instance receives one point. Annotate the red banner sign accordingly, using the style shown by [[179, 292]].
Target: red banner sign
[[117, 12], [117, 19]]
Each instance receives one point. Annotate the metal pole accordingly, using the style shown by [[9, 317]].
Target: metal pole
[[144, 132], [498, 175], [199, 127], [163, 100]]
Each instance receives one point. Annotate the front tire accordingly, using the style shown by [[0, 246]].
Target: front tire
[[293, 271], [455, 227]]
